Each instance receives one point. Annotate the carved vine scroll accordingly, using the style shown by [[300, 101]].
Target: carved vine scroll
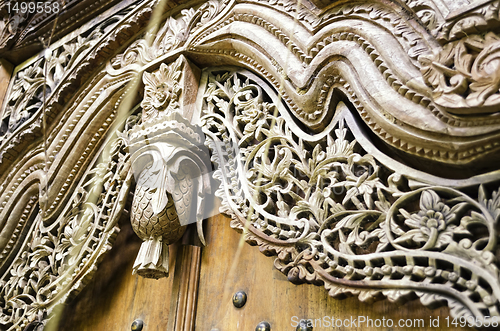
[[60, 257], [337, 217], [358, 141]]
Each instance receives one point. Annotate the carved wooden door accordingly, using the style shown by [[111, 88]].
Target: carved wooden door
[[156, 157]]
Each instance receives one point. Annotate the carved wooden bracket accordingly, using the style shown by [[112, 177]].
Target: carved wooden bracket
[[171, 165], [357, 141]]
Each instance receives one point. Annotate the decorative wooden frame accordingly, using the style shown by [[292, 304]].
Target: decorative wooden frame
[[325, 121]]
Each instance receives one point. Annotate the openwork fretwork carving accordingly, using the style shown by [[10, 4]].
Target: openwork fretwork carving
[[357, 141], [61, 256], [335, 216], [59, 68]]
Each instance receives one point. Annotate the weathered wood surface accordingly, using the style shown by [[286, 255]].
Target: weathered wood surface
[[365, 78], [115, 297]]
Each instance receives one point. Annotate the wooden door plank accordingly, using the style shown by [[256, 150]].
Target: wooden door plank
[[6, 69]]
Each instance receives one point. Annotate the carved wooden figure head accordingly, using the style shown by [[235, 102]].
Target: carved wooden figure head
[[170, 163]]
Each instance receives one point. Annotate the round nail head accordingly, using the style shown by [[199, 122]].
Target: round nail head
[[304, 326], [263, 326], [137, 325], [239, 299]]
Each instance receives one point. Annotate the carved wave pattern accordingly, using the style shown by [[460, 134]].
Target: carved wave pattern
[[335, 49], [332, 213], [335, 216], [41, 79], [58, 258]]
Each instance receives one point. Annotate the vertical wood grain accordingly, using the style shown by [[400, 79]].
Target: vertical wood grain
[[188, 287], [115, 298]]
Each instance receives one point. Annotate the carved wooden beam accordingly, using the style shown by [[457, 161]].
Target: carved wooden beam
[[357, 141], [27, 29]]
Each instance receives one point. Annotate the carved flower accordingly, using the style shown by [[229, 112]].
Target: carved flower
[[485, 73], [431, 226], [25, 79], [162, 89], [255, 118], [361, 180], [137, 53]]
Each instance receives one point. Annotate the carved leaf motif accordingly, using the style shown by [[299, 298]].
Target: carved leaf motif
[[466, 74], [45, 74], [59, 256]]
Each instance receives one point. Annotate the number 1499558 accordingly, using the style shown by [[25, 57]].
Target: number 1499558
[[33, 7], [473, 322]]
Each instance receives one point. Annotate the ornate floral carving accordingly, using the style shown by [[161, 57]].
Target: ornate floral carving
[[12, 22], [335, 216], [53, 71], [466, 75], [470, 21], [26, 95], [428, 13], [432, 225], [172, 34], [162, 90], [57, 258], [25, 30], [333, 213], [329, 61]]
